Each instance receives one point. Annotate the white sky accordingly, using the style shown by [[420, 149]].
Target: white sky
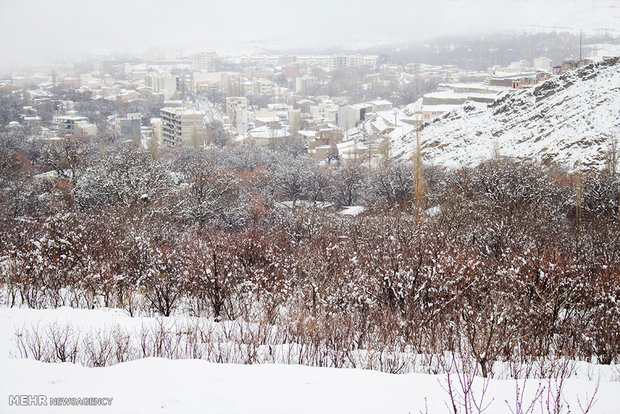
[[35, 30]]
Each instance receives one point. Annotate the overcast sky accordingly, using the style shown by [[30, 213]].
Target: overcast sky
[[35, 30]]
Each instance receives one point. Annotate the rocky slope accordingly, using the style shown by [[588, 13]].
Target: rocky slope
[[567, 120]]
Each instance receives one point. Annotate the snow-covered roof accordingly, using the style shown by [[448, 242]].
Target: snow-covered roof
[[380, 102], [267, 132], [267, 119], [438, 108], [352, 210]]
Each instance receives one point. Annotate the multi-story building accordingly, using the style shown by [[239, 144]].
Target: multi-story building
[[67, 123], [350, 115], [85, 129], [542, 63], [355, 61], [263, 87], [242, 119], [156, 125], [253, 73], [129, 128], [338, 62], [326, 111], [204, 61], [162, 83], [231, 105], [75, 125], [370, 60], [181, 126], [291, 71]]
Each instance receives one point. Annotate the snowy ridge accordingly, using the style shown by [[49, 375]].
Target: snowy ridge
[[566, 120]]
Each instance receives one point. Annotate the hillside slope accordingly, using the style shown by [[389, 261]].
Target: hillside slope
[[566, 120]]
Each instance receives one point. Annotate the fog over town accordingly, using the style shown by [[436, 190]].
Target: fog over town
[[310, 206], [34, 30]]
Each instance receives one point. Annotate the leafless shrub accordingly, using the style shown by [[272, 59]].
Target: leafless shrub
[[64, 342], [497, 271], [98, 349], [459, 385]]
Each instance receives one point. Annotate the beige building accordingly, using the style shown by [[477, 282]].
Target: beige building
[[181, 126]]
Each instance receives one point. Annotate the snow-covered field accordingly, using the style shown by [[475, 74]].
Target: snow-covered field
[[187, 386]]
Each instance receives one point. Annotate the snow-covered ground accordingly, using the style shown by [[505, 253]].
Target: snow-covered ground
[[192, 386], [188, 386]]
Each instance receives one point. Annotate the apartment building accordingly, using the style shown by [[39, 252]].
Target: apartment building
[[75, 125], [337, 62], [181, 126], [263, 87], [204, 61]]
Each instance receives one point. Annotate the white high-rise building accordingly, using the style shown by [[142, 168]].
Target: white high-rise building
[[162, 83], [204, 61], [242, 119]]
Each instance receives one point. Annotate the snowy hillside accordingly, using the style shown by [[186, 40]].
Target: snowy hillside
[[567, 119]]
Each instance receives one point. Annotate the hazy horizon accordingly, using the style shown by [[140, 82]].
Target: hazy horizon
[[34, 31]]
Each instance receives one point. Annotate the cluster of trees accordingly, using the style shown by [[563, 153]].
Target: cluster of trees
[[364, 84], [507, 261], [98, 111]]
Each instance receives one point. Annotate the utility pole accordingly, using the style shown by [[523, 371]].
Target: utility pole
[[418, 189], [580, 43], [369, 144], [578, 203]]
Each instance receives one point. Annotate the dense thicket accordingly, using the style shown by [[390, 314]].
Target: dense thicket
[[510, 260]]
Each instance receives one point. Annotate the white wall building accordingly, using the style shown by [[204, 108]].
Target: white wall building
[[542, 63], [163, 83], [204, 61]]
